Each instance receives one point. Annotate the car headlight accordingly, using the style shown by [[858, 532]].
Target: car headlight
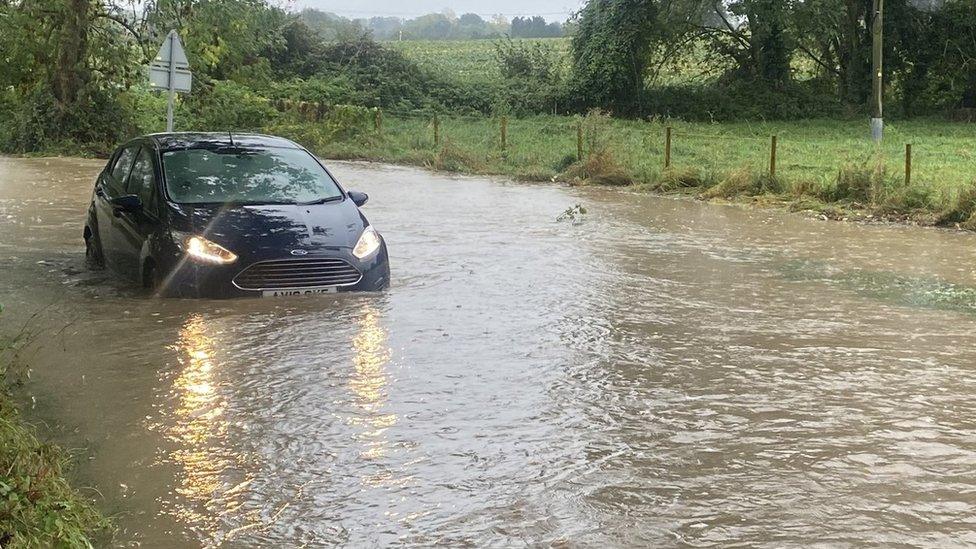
[[205, 251], [368, 243]]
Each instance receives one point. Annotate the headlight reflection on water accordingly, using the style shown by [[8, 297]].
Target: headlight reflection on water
[[214, 481], [369, 384], [199, 429]]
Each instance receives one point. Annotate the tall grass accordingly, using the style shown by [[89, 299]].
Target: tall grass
[[38, 506]]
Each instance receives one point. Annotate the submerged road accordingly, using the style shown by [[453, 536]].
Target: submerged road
[[659, 372]]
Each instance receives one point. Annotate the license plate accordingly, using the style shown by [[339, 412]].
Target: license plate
[[300, 291]]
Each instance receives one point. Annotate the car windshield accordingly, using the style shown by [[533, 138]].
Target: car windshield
[[246, 176]]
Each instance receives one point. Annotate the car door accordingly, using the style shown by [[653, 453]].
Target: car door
[[134, 228], [111, 184]]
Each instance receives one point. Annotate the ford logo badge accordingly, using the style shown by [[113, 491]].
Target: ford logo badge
[[299, 252]]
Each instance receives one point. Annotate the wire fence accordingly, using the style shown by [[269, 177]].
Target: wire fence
[[771, 151]]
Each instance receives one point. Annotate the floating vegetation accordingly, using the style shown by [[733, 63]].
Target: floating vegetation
[[574, 214]]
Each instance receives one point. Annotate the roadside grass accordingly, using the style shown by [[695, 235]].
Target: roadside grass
[[822, 165], [826, 166], [38, 506]]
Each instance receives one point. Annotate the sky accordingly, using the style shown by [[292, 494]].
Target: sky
[[552, 10]]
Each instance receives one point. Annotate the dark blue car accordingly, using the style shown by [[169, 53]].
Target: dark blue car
[[224, 215]]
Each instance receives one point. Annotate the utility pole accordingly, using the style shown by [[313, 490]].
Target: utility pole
[[877, 87]]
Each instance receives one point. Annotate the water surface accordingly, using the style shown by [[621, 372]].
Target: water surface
[[660, 372]]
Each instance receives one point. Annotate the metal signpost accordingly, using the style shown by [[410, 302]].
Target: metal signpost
[[877, 86], [170, 71]]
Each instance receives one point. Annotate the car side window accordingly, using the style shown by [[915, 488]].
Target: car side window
[[142, 180], [121, 167]]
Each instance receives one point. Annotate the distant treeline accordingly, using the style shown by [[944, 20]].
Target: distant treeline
[[433, 26]]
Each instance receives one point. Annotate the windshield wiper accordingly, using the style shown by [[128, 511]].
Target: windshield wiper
[[321, 200]]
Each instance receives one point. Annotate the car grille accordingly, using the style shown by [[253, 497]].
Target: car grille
[[297, 273]]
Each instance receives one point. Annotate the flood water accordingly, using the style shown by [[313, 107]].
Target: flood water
[[658, 372]]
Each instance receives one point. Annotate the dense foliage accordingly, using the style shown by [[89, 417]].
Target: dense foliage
[[73, 76], [611, 52], [785, 51]]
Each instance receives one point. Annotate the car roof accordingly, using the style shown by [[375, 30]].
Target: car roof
[[192, 140]]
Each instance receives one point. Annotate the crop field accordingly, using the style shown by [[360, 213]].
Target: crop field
[[465, 60], [474, 60]]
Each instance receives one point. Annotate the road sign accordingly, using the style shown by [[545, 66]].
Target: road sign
[[170, 71], [159, 79]]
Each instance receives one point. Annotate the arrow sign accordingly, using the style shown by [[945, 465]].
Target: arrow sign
[[170, 71]]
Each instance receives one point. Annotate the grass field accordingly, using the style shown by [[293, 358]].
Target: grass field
[[824, 165], [474, 60], [464, 60]]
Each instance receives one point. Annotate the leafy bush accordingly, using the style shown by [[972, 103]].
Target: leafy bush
[[345, 121], [334, 90], [8, 107], [463, 97], [342, 122], [228, 106], [739, 101], [525, 97], [38, 123], [518, 59], [381, 77], [146, 110]]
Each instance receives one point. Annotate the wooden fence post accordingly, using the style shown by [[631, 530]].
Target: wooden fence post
[[378, 120], [772, 158], [504, 132], [667, 147], [908, 164], [437, 131], [579, 141]]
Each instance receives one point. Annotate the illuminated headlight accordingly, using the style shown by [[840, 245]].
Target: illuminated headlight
[[205, 251], [368, 243]]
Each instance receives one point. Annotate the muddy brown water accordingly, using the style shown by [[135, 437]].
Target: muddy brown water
[[659, 372]]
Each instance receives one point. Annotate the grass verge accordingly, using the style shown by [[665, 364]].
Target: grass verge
[[827, 166], [38, 506]]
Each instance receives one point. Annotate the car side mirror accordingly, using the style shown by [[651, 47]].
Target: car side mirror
[[358, 198], [127, 203]]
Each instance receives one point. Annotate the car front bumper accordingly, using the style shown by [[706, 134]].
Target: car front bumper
[[186, 278]]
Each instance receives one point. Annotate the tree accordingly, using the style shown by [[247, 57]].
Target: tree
[[938, 46], [610, 52], [753, 34], [433, 26], [70, 70], [301, 51], [330, 26]]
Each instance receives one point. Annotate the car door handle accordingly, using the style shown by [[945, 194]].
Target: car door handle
[[99, 192]]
